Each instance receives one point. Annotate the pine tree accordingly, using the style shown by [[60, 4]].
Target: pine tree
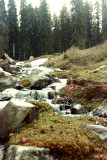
[[13, 29], [96, 30], [78, 24], [104, 19], [24, 43], [35, 35], [88, 16], [98, 22], [65, 29], [45, 29], [33, 30], [56, 34], [3, 28]]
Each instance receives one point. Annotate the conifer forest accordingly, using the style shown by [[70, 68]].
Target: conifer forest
[[35, 32]]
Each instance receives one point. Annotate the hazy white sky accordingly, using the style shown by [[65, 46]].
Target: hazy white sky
[[54, 5]]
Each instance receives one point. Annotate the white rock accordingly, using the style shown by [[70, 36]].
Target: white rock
[[15, 152], [98, 130]]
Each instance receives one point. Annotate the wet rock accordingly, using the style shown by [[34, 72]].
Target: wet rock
[[101, 111], [40, 79], [15, 114], [4, 97], [77, 109], [8, 81], [66, 107], [59, 101], [10, 92], [14, 69], [100, 131], [7, 58], [5, 65], [28, 153], [101, 67], [69, 80], [31, 57], [27, 95], [52, 94]]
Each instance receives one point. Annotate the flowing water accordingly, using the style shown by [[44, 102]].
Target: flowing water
[[47, 94], [1, 151]]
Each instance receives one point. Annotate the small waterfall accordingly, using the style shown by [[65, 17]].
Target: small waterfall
[[1, 151]]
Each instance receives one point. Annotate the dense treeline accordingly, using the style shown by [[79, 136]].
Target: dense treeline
[[35, 33]]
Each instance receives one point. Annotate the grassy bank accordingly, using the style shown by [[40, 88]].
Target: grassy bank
[[75, 56], [66, 136]]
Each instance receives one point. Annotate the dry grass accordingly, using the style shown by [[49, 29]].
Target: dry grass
[[66, 136], [79, 57]]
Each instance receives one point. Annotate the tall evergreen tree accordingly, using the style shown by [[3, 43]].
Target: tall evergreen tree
[[24, 42], [88, 16], [45, 29], [56, 34], [3, 28], [33, 29], [98, 22], [65, 29], [35, 35], [104, 19], [78, 24], [13, 29]]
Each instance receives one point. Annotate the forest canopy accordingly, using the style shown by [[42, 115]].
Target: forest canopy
[[36, 33]]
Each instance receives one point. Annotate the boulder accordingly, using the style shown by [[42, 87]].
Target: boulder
[[99, 130], [27, 95], [10, 92], [5, 65], [4, 97], [40, 79], [15, 152], [31, 57], [101, 111], [77, 109], [11, 61], [14, 115], [8, 81], [14, 69]]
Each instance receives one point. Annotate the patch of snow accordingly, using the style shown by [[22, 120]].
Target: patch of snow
[[38, 62], [43, 68]]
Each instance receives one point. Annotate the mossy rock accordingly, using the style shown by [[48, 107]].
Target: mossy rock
[[25, 82]]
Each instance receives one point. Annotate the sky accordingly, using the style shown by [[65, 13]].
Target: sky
[[54, 5]]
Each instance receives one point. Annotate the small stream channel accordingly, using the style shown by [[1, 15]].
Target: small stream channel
[[43, 95]]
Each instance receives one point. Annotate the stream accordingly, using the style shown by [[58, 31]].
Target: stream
[[42, 95], [47, 94]]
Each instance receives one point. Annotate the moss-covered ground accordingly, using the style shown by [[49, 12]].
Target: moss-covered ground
[[66, 136]]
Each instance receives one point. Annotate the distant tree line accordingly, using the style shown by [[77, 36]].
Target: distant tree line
[[36, 33]]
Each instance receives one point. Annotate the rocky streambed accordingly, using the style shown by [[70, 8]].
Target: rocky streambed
[[21, 83]]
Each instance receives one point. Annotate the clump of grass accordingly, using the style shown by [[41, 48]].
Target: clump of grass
[[67, 137], [63, 74], [25, 82]]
